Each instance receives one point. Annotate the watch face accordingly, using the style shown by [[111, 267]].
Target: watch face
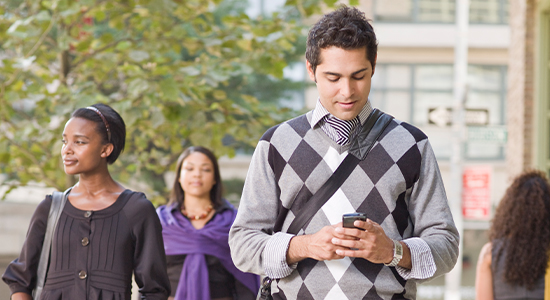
[[399, 249], [397, 254]]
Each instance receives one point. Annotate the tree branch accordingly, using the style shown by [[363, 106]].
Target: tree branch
[[7, 120], [84, 12], [29, 155], [301, 9], [42, 37], [92, 53], [3, 102], [10, 81], [31, 52]]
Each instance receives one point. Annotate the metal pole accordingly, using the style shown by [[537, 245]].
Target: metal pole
[[453, 278]]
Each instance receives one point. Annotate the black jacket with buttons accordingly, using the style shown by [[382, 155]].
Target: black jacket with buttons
[[94, 253]]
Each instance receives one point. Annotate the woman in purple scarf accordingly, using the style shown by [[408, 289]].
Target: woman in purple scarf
[[196, 224]]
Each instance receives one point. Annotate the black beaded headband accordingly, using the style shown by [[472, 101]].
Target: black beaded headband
[[104, 121]]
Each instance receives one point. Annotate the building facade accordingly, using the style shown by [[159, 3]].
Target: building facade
[[528, 87]]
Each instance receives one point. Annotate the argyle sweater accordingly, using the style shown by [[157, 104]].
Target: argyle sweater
[[398, 185]]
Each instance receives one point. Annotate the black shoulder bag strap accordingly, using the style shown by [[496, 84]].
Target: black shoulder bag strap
[[372, 129], [58, 202]]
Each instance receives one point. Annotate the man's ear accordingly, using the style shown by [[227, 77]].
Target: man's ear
[[107, 149], [310, 71]]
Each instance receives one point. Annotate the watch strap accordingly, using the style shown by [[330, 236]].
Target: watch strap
[[397, 254]]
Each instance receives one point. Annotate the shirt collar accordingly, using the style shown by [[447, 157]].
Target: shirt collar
[[319, 112]]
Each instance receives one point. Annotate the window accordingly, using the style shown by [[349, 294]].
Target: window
[[410, 91], [393, 10], [263, 7], [439, 11], [489, 11]]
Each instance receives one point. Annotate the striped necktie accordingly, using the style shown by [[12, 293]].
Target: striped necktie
[[342, 127]]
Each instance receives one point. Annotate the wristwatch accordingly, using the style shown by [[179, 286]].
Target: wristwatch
[[397, 254]]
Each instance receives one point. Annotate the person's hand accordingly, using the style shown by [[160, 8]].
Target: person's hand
[[371, 244], [318, 246], [21, 296]]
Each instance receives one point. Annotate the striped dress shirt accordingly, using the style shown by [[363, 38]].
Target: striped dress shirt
[[340, 131]]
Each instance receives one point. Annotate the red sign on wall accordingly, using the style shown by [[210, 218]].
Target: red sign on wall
[[476, 192]]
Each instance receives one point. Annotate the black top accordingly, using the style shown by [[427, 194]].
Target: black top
[[95, 252], [503, 290]]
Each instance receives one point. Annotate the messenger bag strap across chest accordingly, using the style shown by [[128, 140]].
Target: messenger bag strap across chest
[[371, 131]]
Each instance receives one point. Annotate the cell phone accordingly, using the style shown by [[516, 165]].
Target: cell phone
[[348, 219]]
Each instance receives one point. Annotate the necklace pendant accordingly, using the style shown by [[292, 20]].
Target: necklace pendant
[[197, 217]]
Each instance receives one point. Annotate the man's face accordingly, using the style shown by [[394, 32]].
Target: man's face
[[343, 80]]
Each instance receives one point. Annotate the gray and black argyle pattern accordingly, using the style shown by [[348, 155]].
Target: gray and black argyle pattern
[[297, 160], [381, 167]]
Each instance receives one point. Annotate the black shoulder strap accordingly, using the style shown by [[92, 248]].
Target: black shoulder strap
[[58, 202], [372, 129], [370, 132]]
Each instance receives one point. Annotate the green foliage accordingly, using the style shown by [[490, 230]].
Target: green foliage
[[180, 72], [232, 190]]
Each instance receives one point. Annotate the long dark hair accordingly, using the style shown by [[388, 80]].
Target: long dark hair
[[522, 223], [178, 195]]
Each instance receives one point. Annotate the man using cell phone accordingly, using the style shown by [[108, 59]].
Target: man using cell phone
[[348, 220], [339, 158]]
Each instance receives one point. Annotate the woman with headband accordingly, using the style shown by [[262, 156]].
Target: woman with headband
[[105, 232]]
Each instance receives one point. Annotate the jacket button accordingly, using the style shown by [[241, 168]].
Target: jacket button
[[87, 214], [82, 275], [85, 241]]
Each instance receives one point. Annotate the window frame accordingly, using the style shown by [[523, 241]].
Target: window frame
[[503, 13], [413, 91]]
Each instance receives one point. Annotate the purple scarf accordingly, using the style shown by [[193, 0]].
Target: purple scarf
[[180, 237]]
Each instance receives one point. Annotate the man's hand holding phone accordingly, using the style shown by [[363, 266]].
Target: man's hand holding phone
[[370, 243], [349, 219]]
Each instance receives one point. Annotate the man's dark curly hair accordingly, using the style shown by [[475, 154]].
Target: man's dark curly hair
[[522, 222], [346, 28]]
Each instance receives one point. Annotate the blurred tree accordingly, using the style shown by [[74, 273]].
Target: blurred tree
[[180, 72]]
